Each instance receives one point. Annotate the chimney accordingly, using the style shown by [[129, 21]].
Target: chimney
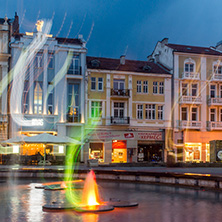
[[219, 46], [122, 59], [15, 25], [165, 41]]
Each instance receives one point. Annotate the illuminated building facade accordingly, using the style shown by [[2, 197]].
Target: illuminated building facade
[[196, 97], [130, 102], [52, 90]]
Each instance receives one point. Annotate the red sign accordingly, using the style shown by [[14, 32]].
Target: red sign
[[129, 135], [150, 136], [120, 144]]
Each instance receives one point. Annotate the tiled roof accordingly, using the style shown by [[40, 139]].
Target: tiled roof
[[194, 49], [130, 65], [69, 41]]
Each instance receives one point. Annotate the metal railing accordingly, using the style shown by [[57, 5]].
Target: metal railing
[[120, 92], [190, 99], [215, 101], [214, 125], [190, 124], [120, 121]]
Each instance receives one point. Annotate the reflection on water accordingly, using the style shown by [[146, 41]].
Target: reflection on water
[[20, 201]]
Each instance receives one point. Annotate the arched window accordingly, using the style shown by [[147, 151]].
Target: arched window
[[189, 65]]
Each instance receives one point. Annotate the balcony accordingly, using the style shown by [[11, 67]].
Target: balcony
[[215, 101], [216, 77], [190, 124], [120, 121], [3, 118], [191, 75], [73, 118], [214, 125], [75, 71], [190, 99], [120, 93]]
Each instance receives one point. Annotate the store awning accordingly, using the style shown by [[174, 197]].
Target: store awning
[[17, 139]]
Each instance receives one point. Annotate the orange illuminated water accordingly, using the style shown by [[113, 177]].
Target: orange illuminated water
[[90, 196]]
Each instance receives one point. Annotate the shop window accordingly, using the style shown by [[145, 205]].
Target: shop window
[[96, 151], [119, 151], [193, 152]]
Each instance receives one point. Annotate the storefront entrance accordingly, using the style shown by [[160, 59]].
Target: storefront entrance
[[150, 152], [119, 151], [96, 151]]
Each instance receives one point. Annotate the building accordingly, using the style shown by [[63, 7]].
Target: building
[[47, 89], [128, 107], [196, 96]]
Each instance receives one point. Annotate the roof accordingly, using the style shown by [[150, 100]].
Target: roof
[[2, 21], [195, 49], [130, 65]]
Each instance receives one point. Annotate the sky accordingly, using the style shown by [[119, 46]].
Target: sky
[[116, 27]]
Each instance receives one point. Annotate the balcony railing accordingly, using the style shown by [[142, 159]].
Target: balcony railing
[[120, 92], [214, 125], [215, 101], [190, 124], [191, 75], [216, 77], [3, 118], [120, 121], [190, 99], [73, 118], [75, 71]]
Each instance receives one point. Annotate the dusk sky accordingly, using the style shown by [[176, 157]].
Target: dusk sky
[[124, 26]]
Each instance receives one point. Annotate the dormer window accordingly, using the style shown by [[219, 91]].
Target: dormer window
[[189, 65], [95, 63]]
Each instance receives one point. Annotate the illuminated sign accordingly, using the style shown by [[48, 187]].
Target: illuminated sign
[[37, 122], [150, 136]]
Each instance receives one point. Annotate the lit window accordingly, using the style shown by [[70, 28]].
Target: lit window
[[93, 83], [139, 111], [155, 87], [38, 98], [96, 109], [139, 86], [151, 111]]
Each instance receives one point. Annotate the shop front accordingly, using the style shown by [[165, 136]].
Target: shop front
[[125, 146]]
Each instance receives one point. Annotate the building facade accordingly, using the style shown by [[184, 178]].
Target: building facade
[[47, 89], [128, 106], [196, 96]]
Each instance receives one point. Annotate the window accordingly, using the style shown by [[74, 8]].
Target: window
[[96, 109], [100, 84], [139, 111], [194, 114], [184, 89], [118, 84], [25, 97], [38, 98], [220, 91], [212, 91], [217, 69], [161, 87], [155, 87], [139, 86], [194, 90], [50, 61], [150, 111], [220, 115], [73, 103], [39, 60], [212, 115], [145, 86], [93, 83], [74, 67], [184, 113], [50, 98], [189, 67], [160, 112], [118, 110]]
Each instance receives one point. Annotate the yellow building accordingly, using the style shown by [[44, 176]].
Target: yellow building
[[128, 107], [197, 97]]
